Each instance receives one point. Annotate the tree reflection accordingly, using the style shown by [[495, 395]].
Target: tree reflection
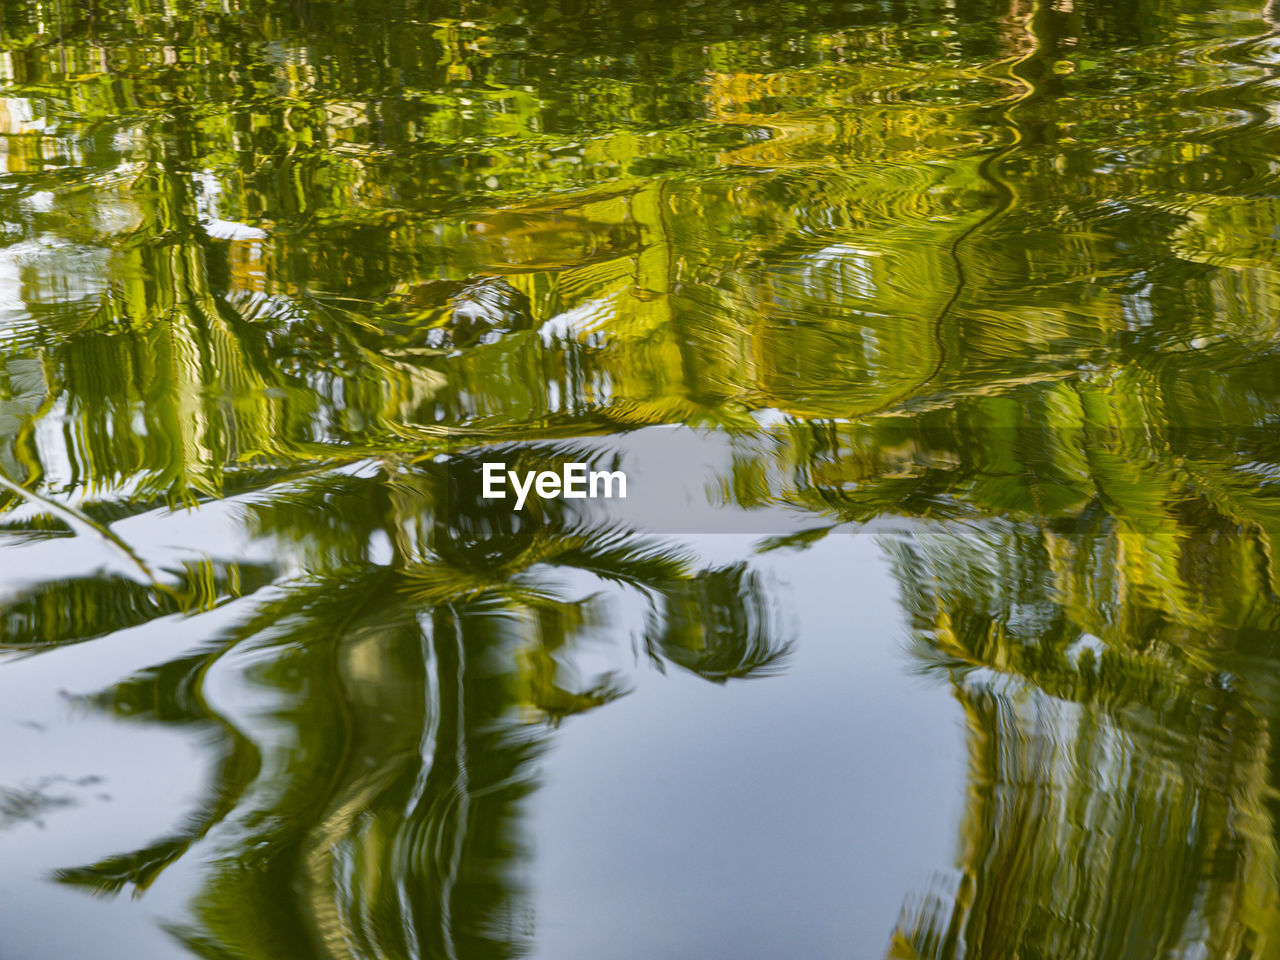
[[1119, 799], [373, 809], [1006, 267]]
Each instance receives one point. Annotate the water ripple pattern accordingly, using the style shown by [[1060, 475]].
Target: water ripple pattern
[[994, 282]]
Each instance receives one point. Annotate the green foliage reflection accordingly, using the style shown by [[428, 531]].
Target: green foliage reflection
[[1002, 272]]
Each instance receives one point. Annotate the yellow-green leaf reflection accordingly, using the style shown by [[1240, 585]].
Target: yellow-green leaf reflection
[[993, 280]]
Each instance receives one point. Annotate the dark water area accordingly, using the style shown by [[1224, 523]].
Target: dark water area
[[939, 345]]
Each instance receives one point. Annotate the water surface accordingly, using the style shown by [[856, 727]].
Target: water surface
[[939, 343]]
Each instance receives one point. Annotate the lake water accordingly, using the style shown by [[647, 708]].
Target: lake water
[[939, 345]]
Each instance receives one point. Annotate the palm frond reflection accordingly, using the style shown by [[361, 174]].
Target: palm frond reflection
[[382, 779]]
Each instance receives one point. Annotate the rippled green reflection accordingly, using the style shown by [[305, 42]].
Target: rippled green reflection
[[999, 276], [373, 808]]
